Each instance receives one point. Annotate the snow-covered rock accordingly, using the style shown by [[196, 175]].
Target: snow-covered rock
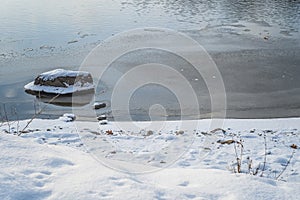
[[98, 105], [68, 117], [103, 122], [60, 81], [101, 117]]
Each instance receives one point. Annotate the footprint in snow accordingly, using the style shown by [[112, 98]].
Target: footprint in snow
[[160, 195], [184, 184], [117, 181], [58, 162], [190, 196]]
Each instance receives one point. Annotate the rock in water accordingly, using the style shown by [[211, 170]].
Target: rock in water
[[98, 105], [63, 78], [103, 122], [68, 117], [61, 81], [101, 117]]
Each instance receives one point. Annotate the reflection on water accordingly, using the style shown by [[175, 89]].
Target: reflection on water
[[67, 100]]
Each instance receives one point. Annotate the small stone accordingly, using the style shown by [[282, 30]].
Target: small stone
[[72, 41], [101, 117], [226, 141], [294, 146], [218, 129], [149, 133], [103, 122], [70, 117], [179, 132], [109, 132], [98, 105]]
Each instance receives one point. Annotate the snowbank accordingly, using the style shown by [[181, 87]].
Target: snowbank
[[51, 161]]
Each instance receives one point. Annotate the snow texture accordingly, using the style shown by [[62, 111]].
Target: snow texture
[[51, 75], [53, 160]]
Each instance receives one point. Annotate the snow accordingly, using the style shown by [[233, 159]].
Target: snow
[[51, 75], [68, 117], [59, 90], [60, 159], [104, 121]]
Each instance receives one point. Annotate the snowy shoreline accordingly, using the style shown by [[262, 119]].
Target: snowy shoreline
[[51, 160]]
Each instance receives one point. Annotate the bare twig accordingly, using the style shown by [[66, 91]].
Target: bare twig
[[18, 121], [288, 162], [265, 157], [36, 114], [238, 158], [249, 165], [241, 153], [6, 117], [2, 118], [256, 170], [34, 106]]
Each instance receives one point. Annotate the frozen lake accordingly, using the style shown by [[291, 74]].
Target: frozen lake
[[255, 44]]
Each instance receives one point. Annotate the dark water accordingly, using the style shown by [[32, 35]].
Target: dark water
[[261, 77]]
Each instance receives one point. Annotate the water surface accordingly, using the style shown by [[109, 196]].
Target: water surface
[[37, 36]]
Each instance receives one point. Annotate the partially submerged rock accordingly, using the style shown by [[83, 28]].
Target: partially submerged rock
[[62, 82], [68, 117], [101, 117], [103, 122], [98, 105]]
